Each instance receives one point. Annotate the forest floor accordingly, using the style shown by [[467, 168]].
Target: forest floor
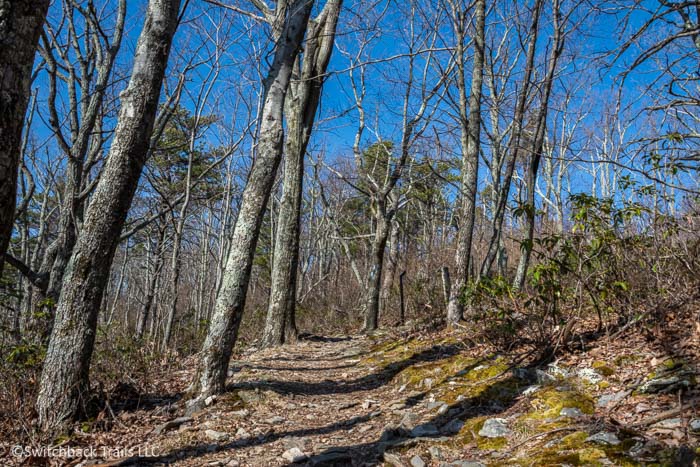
[[411, 398]]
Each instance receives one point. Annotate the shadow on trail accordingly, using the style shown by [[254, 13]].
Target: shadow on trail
[[493, 400], [326, 339], [246, 366], [365, 383]]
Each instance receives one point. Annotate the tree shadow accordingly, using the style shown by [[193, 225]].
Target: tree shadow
[[236, 368], [440, 427], [325, 339], [365, 383]]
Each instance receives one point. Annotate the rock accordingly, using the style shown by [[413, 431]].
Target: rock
[[668, 424], [293, 442], [604, 437], [416, 461], [209, 400], [452, 427], [333, 456], [494, 428], [427, 383], [365, 428], [424, 431], [443, 409], [216, 435], [590, 375], [294, 455], [242, 433], [233, 463], [571, 412], [348, 405], [275, 420], [410, 420], [239, 413], [695, 425], [397, 406], [531, 390], [435, 404], [543, 377], [391, 432], [607, 399], [393, 459], [524, 374], [172, 424], [664, 385], [366, 404], [435, 452]]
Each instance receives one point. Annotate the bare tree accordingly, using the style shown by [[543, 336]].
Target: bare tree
[[470, 130], [300, 111], [231, 297], [64, 386], [535, 150]]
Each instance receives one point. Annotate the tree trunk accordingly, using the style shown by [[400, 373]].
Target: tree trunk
[[152, 281], [21, 22], [300, 110], [64, 385], [470, 141], [515, 142], [536, 151], [230, 302], [374, 277], [392, 262]]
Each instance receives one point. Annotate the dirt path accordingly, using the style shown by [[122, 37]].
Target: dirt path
[[429, 399], [319, 397]]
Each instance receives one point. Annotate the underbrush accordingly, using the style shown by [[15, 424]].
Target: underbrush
[[620, 266], [125, 374]]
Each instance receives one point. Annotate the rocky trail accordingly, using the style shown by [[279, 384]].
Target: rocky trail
[[418, 400]]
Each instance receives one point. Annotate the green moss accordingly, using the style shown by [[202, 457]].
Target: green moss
[[548, 403], [626, 359], [591, 456], [491, 444], [573, 440], [603, 369], [486, 371], [469, 434]]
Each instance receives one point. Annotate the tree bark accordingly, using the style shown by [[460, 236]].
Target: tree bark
[[374, 275], [223, 329], [300, 111], [21, 22], [64, 385], [470, 141], [152, 281]]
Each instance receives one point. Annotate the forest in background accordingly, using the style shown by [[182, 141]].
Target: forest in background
[[191, 177]]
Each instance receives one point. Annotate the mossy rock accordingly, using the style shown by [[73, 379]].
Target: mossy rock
[[469, 435], [547, 403], [603, 369]]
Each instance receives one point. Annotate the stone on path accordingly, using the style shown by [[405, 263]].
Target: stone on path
[[494, 428], [604, 437], [216, 435], [294, 455]]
